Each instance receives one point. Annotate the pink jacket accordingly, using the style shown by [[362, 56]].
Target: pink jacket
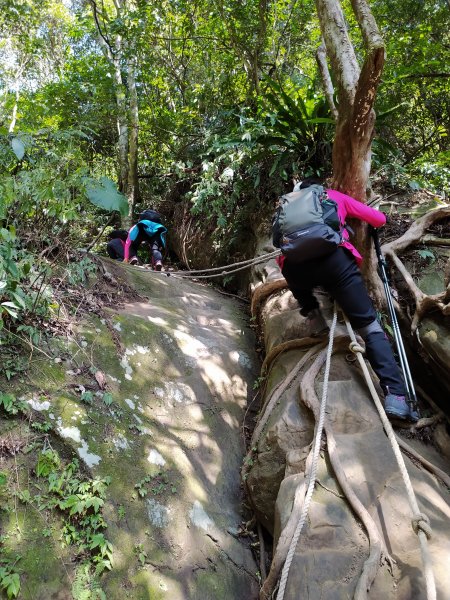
[[127, 245], [349, 207]]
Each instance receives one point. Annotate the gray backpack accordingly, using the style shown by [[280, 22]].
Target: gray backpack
[[306, 225]]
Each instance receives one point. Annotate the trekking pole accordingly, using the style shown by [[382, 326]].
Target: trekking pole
[[404, 365]]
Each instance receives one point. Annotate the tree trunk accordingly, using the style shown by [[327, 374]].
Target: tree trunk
[[12, 125], [133, 182], [122, 127], [355, 117], [113, 49]]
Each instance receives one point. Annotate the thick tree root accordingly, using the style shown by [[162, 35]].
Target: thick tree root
[[416, 233], [284, 347], [271, 402], [378, 551], [265, 290]]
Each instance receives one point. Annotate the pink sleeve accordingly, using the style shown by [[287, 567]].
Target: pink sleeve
[[358, 210], [127, 246]]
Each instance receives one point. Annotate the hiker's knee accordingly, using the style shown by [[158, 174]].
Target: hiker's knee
[[372, 327]]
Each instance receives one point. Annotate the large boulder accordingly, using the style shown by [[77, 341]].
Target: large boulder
[[333, 547]]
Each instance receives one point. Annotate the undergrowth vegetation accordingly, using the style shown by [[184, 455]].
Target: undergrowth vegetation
[[67, 502]]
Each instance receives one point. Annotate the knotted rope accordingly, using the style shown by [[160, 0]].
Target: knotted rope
[[420, 522], [314, 463]]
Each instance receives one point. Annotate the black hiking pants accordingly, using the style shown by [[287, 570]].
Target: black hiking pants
[[115, 249], [339, 275]]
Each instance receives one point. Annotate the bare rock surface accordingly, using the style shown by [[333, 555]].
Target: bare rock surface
[[179, 366]]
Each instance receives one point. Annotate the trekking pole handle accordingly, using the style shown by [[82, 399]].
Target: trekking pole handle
[[376, 241]]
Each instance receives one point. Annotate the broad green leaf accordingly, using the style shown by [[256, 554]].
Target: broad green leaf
[[12, 585], [18, 148], [104, 194]]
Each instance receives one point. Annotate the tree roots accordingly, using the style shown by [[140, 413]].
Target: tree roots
[[416, 233]]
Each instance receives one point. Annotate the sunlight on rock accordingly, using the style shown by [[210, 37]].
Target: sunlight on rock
[[155, 458], [126, 366], [433, 496], [130, 403], [230, 420], [199, 517], [158, 321], [431, 335], [89, 458], [72, 433], [175, 393], [120, 442], [45, 405], [190, 345], [125, 363], [215, 375], [241, 358], [158, 514]]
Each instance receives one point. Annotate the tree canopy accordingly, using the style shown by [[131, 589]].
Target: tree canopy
[[217, 104]]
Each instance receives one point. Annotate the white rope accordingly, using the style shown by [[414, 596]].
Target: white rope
[[315, 459], [220, 271], [420, 522]]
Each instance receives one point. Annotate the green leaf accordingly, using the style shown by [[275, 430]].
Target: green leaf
[[18, 148], [426, 254], [3, 478], [104, 194], [107, 399], [87, 397], [95, 502], [11, 583], [414, 185], [20, 301], [97, 540]]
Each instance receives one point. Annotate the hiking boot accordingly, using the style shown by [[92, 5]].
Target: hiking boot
[[158, 265], [396, 407], [316, 323], [134, 260]]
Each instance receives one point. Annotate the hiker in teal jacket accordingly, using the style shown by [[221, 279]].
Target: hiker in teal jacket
[[148, 229]]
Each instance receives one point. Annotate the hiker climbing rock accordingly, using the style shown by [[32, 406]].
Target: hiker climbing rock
[[116, 245], [309, 228], [148, 229]]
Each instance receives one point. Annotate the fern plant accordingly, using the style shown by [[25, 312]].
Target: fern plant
[[86, 585]]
